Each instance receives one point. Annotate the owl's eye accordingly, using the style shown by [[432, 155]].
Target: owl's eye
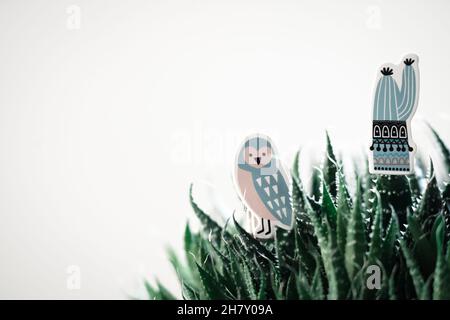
[[264, 154], [250, 154]]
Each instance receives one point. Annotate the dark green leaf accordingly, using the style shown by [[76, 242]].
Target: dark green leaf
[[356, 238], [330, 169]]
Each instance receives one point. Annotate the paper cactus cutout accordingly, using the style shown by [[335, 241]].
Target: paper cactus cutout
[[395, 101]]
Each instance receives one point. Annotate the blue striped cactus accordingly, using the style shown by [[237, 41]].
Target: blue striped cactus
[[392, 151], [392, 103]]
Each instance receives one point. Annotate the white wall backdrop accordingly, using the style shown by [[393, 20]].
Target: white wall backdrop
[[109, 109]]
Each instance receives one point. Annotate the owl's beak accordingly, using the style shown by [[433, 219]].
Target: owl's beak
[[258, 160]]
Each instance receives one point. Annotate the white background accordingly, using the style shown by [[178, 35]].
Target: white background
[[109, 109]]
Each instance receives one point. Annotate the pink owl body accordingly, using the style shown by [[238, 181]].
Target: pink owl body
[[250, 196]]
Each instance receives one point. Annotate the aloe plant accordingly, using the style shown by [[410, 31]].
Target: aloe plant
[[391, 222]]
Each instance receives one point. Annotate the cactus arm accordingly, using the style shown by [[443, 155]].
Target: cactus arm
[[408, 93], [378, 108], [386, 98], [393, 91]]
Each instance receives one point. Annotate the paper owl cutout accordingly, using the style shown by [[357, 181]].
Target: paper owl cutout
[[262, 185], [395, 101]]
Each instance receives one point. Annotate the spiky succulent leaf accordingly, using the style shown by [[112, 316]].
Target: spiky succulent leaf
[[376, 239], [431, 203], [330, 168], [441, 284], [355, 248], [212, 228], [303, 288], [211, 287], [329, 209], [158, 293], [392, 285], [253, 245], [316, 184], [395, 192], [446, 209], [188, 292], [317, 289], [422, 249], [343, 209], [413, 269], [339, 282], [443, 148], [303, 222], [389, 249], [285, 249]]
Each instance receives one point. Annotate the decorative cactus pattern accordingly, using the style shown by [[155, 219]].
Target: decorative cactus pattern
[[392, 103], [392, 148]]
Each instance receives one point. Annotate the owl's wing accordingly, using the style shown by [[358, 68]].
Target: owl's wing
[[274, 192]]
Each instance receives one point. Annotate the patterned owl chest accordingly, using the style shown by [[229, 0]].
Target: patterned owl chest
[[274, 192]]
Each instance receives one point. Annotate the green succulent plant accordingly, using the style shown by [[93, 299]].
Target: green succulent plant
[[396, 223]]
